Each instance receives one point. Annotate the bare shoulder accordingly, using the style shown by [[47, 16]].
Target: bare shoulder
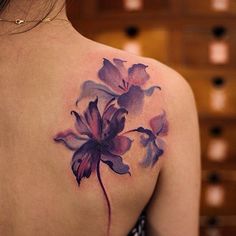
[[175, 88], [175, 96], [179, 101], [177, 192]]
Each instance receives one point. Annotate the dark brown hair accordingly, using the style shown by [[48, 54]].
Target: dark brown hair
[[3, 4]]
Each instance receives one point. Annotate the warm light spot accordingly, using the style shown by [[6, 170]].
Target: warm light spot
[[214, 195], [133, 5], [220, 5], [218, 52], [213, 232], [217, 149], [218, 99], [133, 47]]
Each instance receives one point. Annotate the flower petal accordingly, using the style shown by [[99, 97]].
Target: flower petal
[[90, 89], [111, 75], [93, 119], [153, 152], [150, 91], [138, 75], [119, 145], [115, 162], [81, 125], [159, 124], [120, 66], [147, 136], [85, 160], [70, 139], [109, 112], [160, 143], [116, 124], [132, 100], [106, 119]]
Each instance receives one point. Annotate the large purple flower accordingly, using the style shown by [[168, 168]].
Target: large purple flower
[[97, 140], [121, 84], [151, 139]]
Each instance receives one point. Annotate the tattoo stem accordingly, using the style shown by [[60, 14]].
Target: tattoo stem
[[106, 197]]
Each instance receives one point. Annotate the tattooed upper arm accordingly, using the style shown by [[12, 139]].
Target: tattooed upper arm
[[100, 136]]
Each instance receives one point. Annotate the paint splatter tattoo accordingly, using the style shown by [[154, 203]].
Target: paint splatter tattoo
[[99, 136]]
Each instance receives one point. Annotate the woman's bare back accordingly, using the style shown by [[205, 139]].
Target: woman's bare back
[[85, 131]]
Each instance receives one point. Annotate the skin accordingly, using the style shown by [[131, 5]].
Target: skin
[[41, 74]]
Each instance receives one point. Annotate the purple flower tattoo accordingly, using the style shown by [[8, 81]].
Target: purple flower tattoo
[[151, 139], [121, 84], [97, 140], [98, 137]]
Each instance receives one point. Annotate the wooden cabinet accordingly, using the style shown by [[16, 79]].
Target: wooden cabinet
[[218, 231], [210, 8], [218, 193], [140, 43], [198, 45], [139, 5], [214, 90], [218, 142]]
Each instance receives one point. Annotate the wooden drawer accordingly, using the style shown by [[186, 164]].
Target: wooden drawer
[[218, 192], [210, 7], [124, 5], [218, 143], [197, 45], [217, 225], [138, 40], [218, 231], [214, 92]]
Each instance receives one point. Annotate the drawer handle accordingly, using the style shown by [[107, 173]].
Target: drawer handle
[[219, 31], [216, 131], [214, 178], [218, 82], [132, 31], [213, 221]]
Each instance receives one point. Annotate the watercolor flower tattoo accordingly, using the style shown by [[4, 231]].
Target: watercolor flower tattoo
[[98, 140], [98, 137], [121, 84], [151, 139]]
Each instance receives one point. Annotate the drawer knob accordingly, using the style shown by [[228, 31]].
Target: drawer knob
[[216, 131], [214, 178], [213, 221], [132, 31], [218, 82], [219, 31]]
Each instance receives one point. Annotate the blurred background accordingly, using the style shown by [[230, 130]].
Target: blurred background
[[198, 39]]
